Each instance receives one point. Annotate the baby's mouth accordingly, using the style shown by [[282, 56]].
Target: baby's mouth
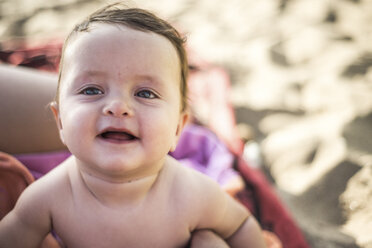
[[117, 136]]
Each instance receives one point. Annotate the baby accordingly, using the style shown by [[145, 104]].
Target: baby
[[120, 108]]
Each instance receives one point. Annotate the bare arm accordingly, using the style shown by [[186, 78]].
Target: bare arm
[[228, 218], [28, 223], [248, 235]]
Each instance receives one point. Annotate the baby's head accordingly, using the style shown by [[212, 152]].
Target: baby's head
[[121, 98], [137, 19]]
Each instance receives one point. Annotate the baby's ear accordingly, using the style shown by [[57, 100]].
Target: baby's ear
[[184, 118], [55, 109]]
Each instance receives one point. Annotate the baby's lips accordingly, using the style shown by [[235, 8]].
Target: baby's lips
[[117, 135]]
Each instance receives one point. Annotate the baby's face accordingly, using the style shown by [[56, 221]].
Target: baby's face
[[119, 108]]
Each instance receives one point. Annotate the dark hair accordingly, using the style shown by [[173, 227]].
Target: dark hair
[[138, 19]]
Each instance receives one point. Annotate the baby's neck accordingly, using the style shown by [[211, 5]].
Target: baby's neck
[[116, 193]]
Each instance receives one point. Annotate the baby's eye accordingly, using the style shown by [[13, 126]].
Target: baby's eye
[[91, 91], [146, 94]]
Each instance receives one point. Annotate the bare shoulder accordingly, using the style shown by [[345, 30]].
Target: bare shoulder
[[43, 192], [211, 207], [189, 182], [193, 184]]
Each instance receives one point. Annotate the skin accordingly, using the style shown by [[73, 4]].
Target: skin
[[207, 239], [120, 119], [26, 125]]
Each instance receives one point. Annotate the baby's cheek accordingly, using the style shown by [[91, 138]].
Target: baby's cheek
[[75, 126]]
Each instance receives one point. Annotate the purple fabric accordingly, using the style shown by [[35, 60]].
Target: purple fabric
[[199, 148], [41, 163]]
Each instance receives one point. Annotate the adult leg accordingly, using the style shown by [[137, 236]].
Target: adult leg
[[26, 123]]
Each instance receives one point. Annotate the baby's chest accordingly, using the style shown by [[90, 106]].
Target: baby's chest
[[154, 226]]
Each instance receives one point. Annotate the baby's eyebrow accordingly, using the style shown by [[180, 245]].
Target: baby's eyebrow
[[87, 74], [99, 75], [148, 78], [93, 73]]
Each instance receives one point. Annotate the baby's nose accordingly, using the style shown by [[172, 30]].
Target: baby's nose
[[118, 108]]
